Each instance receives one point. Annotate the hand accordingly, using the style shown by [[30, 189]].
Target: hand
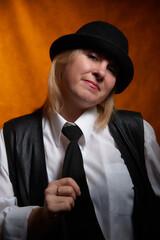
[[60, 196]]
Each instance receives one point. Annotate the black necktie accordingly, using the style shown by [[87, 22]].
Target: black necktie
[[81, 222], [73, 163]]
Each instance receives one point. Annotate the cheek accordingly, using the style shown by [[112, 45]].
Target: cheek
[[70, 73], [67, 76], [68, 82], [110, 83]]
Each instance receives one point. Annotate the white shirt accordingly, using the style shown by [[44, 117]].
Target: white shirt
[[109, 182]]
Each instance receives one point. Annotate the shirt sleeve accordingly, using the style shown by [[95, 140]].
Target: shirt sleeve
[[152, 157], [13, 219]]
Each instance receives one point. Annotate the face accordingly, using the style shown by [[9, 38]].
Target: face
[[87, 79]]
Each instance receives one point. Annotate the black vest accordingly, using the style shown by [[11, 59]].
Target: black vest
[[25, 151]]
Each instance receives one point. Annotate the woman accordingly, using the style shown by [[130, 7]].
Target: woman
[[116, 200]]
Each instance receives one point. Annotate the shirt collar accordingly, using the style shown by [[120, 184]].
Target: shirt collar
[[85, 122]]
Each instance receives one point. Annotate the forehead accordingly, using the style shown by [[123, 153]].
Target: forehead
[[76, 52]]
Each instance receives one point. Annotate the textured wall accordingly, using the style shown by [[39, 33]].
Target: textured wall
[[28, 27]]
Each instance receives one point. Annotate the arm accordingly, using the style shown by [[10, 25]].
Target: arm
[[13, 219], [152, 157]]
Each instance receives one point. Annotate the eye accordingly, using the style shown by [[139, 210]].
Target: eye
[[92, 56], [113, 69]]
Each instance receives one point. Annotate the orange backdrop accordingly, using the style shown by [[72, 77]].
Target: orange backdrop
[[28, 27]]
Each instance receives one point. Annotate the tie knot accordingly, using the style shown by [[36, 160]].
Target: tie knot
[[72, 132]]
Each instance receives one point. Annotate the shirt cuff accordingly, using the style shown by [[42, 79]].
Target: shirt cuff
[[15, 223]]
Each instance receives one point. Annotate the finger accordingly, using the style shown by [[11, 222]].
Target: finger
[[67, 182], [52, 189], [66, 191], [65, 203], [58, 204]]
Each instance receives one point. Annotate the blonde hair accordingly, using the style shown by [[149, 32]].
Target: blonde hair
[[54, 100]]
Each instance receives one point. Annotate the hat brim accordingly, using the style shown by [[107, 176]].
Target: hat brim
[[79, 41]]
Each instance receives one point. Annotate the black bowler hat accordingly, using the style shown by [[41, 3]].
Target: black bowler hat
[[105, 38]]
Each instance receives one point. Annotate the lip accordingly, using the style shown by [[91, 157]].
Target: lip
[[92, 84]]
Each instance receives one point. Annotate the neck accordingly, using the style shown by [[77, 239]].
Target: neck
[[71, 114]]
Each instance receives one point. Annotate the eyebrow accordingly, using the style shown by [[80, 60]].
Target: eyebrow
[[103, 55]]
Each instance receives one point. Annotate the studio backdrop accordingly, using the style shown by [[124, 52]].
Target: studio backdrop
[[28, 27]]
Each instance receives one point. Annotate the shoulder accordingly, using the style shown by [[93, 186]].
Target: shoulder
[[125, 115], [127, 127], [128, 120], [23, 122], [149, 132], [24, 129]]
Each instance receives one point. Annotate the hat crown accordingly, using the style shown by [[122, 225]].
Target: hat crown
[[106, 32]]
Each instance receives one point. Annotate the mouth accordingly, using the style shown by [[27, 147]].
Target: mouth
[[92, 84]]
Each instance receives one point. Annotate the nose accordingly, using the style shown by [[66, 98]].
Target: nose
[[100, 70]]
